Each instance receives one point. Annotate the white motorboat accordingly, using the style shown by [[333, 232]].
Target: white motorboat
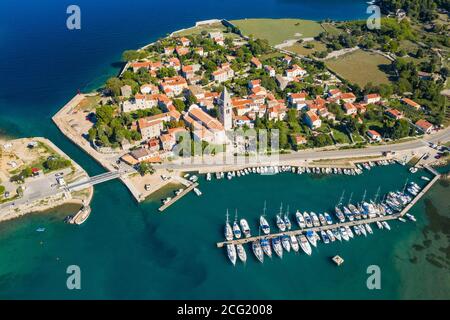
[[315, 219], [386, 225], [294, 243], [304, 244], [311, 238], [300, 219], [308, 219]]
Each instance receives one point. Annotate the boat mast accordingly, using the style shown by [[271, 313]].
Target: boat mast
[[281, 208], [287, 211], [227, 216], [364, 196], [350, 199], [406, 183], [377, 194], [341, 198], [264, 210], [235, 215]]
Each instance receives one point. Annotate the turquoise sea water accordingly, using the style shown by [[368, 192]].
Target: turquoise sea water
[[129, 250], [126, 250]]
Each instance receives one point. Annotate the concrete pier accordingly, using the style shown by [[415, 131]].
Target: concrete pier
[[178, 197]]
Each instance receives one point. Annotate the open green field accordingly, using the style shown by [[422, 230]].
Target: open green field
[[331, 29], [299, 48], [340, 136], [361, 67], [276, 31]]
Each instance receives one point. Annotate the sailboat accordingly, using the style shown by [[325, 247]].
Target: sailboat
[[280, 223], [228, 230], [338, 211], [276, 244], [386, 225], [236, 230], [266, 247], [300, 219], [231, 252], [363, 230], [368, 228], [285, 241], [245, 228], [287, 221], [263, 222], [257, 250], [241, 252]]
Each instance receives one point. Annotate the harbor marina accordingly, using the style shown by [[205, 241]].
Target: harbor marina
[[356, 223]]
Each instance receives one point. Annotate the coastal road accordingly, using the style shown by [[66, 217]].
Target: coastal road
[[441, 136]]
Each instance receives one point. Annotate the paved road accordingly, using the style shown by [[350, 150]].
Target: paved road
[[414, 145]]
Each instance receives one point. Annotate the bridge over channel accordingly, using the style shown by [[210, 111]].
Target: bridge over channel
[[91, 181]]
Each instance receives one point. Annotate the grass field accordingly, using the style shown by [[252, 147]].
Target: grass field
[[299, 48], [340, 136], [276, 31], [331, 29], [361, 67]]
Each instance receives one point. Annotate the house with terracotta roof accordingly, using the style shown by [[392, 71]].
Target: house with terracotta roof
[[200, 51], [372, 98], [174, 63], [295, 71], [277, 112], [151, 127], [173, 86], [217, 37], [254, 83], [141, 154], [169, 50], [334, 93], [185, 42], [168, 141], [149, 89], [424, 126], [297, 100], [410, 103], [270, 70], [256, 63], [181, 51], [374, 136], [394, 113], [350, 109], [347, 97], [140, 102], [208, 128], [312, 119], [224, 73], [240, 121]]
